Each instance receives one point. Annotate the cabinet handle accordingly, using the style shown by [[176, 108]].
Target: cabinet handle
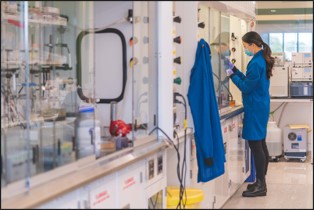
[[35, 153], [59, 147], [141, 177], [73, 143]]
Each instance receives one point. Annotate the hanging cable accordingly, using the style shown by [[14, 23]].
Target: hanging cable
[[184, 165], [181, 171]]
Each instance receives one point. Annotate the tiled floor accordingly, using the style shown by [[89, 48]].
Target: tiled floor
[[289, 186]]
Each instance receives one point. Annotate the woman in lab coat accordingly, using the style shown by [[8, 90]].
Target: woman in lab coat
[[254, 86]]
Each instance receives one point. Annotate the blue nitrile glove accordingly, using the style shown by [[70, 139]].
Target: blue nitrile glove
[[229, 72], [228, 63], [229, 66]]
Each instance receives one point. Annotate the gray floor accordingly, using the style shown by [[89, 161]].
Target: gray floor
[[289, 186]]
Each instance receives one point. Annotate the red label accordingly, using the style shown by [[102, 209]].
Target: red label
[[129, 182], [100, 197]]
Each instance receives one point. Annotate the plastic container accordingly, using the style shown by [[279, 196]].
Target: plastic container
[[193, 197], [274, 140], [87, 132]]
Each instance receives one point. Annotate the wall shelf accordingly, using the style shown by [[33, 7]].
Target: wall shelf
[[294, 100], [56, 20]]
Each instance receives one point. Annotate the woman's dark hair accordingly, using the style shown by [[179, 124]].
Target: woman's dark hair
[[253, 37]]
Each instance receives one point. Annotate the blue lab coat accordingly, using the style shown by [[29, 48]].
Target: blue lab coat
[[254, 87], [203, 104]]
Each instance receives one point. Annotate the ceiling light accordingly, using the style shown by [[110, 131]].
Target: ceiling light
[[273, 10]]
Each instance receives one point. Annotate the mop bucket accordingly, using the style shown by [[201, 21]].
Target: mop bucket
[[192, 198]]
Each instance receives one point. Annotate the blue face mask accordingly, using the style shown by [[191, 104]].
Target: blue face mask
[[227, 53], [248, 53]]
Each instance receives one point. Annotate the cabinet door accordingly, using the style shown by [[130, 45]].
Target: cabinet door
[[68, 201], [244, 147], [234, 155], [207, 187], [221, 192], [131, 186], [103, 193]]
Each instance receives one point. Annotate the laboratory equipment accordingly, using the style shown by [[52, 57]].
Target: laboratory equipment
[[301, 89], [279, 82], [303, 73], [295, 141], [301, 58], [301, 84]]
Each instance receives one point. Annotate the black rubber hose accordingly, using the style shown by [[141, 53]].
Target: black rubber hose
[[79, 65]]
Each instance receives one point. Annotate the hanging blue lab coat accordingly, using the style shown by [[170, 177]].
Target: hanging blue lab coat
[[203, 104], [254, 87]]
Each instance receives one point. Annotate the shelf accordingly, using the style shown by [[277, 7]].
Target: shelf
[[60, 21], [294, 100]]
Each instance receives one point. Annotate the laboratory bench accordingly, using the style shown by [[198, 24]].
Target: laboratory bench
[[90, 183], [49, 188]]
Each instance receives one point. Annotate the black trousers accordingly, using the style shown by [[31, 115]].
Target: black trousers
[[261, 155]]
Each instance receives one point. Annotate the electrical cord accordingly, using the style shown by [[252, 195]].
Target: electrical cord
[[169, 141], [154, 204], [181, 171], [184, 165], [272, 112], [283, 108]]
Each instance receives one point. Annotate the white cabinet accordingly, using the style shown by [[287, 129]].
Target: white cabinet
[[237, 167], [207, 187], [245, 157], [67, 201], [221, 191], [102, 193], [156, 181], [130, 186], [143, 183], [238, 157], [234, 155], [237, 164]]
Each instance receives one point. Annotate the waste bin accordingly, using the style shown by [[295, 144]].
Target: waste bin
[[193, 197]]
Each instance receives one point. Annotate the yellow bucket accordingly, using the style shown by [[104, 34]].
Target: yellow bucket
[[192, 198]]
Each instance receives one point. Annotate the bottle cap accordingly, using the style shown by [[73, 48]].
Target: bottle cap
[[86, 109]]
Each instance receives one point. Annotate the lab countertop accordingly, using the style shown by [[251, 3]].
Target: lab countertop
[[52, 188], [229, 112], [81, 173]]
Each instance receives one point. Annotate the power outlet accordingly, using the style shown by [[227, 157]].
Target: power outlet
[[159, 165], [151, 169]]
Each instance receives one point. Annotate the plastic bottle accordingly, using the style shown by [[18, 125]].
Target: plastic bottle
[[87, 132], [274, 140]]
